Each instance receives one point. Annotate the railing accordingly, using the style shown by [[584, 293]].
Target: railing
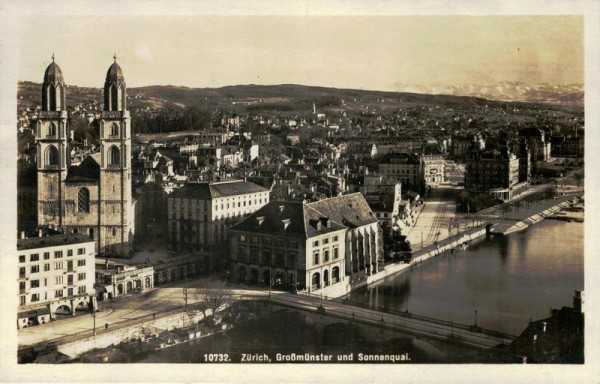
[[432, 320]]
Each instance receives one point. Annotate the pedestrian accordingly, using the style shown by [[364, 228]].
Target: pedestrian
[[106, 326]]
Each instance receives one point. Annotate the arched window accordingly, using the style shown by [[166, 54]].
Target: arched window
[[59, 93], [52, 130], [52, 98], [114, 156], [114, 231], [335, 275], [316, 281], [114, 130], [114, 106], [51, 156], [83, 200], [326, 278]]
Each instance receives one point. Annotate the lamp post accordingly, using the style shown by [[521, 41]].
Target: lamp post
[[94, 316]]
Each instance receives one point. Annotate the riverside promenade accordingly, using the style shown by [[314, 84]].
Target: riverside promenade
[[499, 224]]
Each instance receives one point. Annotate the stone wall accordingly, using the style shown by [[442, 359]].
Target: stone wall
[[105, 339]]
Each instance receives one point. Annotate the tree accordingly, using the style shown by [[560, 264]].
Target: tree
[[214, 297]]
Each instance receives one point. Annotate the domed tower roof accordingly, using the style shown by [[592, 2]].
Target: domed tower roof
[[115, 73], [53, 73]]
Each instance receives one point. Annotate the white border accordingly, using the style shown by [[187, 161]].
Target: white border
[[10, 14]]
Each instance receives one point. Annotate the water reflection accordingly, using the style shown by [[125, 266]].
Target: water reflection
[[506, 279]]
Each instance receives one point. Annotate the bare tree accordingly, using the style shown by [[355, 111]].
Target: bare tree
[[215, 296]]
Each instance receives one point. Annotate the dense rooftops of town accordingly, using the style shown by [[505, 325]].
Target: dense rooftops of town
[[52, 241]]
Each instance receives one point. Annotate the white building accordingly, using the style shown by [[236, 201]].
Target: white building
[[56, 277], [198, 215]]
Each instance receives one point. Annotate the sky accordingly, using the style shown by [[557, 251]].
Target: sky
[[364, 52]]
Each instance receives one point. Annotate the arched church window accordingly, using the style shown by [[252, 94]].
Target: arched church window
[[114, 156], [52, 98], [83, 200], [59, 93], [114, 106], [114, 130], [52, 129], [51, 156]]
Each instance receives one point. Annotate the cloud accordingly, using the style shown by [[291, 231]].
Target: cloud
[[142, 51]]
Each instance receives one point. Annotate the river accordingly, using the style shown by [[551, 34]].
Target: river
[[507, 280]]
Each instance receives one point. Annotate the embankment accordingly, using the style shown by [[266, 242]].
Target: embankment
[[423, 255], [505, 228], [105, 339]]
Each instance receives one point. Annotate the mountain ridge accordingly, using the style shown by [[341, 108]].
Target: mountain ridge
[[569, 96]]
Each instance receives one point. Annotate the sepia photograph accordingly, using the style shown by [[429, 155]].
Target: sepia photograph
[[296, 188]]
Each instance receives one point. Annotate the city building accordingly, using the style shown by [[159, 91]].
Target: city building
[[495, 173], [117, 280], [463, 143], [434, 170], [384, 198], [541, 149], [56, 277], [199, 213], [308, 246], [94, 197], [404, 168]]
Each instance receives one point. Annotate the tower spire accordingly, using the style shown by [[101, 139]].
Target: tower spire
[[115, 57], [53, 57]]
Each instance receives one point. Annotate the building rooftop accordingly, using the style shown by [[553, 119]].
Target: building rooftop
[[209, 191], [399, 158], [288, 218], [88, 170], [52, 241], [350, 210]]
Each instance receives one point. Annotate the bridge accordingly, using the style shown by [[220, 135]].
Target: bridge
[[519, 214], [471, 335]]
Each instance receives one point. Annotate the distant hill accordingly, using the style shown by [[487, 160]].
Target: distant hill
[[290, 97], [570, 95]]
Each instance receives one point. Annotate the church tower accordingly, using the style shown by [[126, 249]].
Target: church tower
[[51, 138], [116, 211]]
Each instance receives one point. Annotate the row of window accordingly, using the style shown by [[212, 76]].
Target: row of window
[[51, 131], [267, 257], [57, 266], [57, 280], [223, 205], [35, 297], [407, 171], [325, 241], [57, 255], [268, 241], [326, 257]]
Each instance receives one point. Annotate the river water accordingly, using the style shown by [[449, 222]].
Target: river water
[[507, 280]]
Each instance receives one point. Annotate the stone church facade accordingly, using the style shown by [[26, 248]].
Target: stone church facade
[[93, 198]]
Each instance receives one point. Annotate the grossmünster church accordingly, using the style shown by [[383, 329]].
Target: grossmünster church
[[94, 197]]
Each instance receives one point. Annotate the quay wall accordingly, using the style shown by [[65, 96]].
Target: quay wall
[[422, 255], [107, 338], [466, 237], [505, 229]]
